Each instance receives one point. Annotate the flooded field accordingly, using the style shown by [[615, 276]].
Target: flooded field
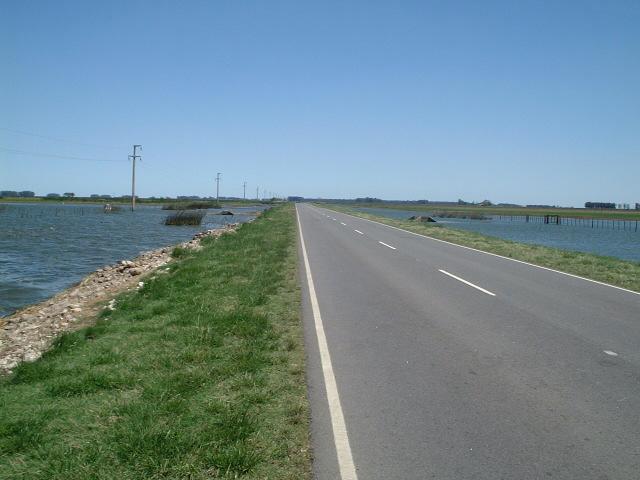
[[47, 248], [619, 243]]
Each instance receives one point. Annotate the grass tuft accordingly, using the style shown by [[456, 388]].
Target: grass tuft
[[185, 217]]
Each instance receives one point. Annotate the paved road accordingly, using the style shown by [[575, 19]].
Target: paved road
[[520, 373]]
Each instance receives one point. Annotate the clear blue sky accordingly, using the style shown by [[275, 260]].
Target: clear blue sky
[[527, 102]]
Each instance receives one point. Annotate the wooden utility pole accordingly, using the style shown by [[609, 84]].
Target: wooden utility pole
[[133, 175], [244, 190], [218, 188]]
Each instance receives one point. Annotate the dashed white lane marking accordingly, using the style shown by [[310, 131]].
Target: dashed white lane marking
[[609, 352], [468, 283], [342, 223], [358, 231], [496, 255], [387, 245], [340, 436]]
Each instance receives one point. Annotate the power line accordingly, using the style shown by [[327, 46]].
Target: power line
[[20, 132], [53, 155], [155, 167]]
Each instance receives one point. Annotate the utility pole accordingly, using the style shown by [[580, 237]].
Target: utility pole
[[218, 188], [257, 193], [133, 175], [244, 190]]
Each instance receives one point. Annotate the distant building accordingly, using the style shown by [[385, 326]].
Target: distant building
[[68, 194], [295, 199], [8, 193], [53, 195], [600, 205], [94, 195], [27, 194], [637, 206]]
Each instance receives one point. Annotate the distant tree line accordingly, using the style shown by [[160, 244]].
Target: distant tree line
[[599, 205], [12, 193]]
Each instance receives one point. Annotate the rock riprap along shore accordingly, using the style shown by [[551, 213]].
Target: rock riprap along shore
[[28, 333]]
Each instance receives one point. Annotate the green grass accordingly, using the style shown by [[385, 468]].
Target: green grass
[[199, 374], [494, 210], [605, 269]]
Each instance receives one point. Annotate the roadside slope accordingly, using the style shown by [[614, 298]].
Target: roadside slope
[[199, 374]]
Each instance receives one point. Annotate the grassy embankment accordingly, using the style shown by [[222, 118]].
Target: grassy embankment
[[199, 374], [603, 214], [605, 269]]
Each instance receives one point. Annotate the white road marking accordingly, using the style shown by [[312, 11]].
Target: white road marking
[[499, 256], [382, 243], [609, 352], [468, 283], [342, 223], [340, 436], [358, 231]]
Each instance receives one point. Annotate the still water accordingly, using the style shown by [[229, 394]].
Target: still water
[[47, 248], [601, 241]]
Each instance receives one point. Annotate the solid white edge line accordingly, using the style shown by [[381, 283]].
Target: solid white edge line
[[340, 436], [386, 245], [358, 231], [499, 256], [468, 283]]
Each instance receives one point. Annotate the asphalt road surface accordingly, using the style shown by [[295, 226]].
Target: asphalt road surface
[[430, 360]]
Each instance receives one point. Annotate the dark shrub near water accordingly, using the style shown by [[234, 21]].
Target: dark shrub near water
[[185, 217], [470, 216], [190, 206]]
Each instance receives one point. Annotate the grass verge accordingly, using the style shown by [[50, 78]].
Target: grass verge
[[604, 269], [199, 374]]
